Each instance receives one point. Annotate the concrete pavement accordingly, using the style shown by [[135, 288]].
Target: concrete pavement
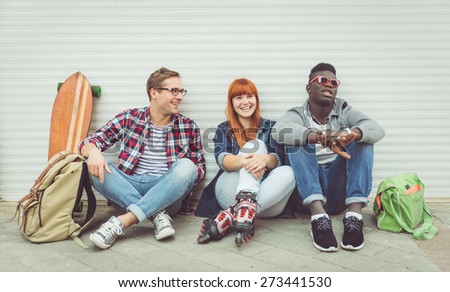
[[279, 245]]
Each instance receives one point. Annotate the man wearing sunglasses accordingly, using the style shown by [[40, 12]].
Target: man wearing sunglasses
[[160, 160], [329, 145]]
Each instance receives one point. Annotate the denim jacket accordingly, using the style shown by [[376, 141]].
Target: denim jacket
[[225, 143]]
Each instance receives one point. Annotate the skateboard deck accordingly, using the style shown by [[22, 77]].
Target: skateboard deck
[[71, 115]]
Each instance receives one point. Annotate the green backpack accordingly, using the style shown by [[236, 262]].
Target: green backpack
[[400, 205]]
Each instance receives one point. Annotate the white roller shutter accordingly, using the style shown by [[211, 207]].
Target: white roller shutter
[[393, 58]]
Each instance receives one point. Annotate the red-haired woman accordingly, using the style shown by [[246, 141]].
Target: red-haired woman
[[251, 179]]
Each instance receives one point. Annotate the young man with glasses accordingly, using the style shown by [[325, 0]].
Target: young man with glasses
[[329, 145], [160, 160]]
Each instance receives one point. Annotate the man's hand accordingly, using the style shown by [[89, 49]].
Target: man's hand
[[95, 162], [337, 141]]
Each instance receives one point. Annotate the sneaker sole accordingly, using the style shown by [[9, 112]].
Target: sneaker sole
[[164, 234], [330, 249], [98, 242], [351, 247]]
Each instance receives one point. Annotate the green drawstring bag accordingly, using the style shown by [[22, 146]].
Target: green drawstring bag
[[400, 205]]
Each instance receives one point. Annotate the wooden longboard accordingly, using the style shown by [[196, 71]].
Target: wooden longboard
[[71, 115]]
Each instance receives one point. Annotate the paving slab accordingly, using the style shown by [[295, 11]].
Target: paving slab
[[279, 245]]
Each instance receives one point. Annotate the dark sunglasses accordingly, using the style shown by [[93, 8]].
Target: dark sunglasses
[[324, 80]]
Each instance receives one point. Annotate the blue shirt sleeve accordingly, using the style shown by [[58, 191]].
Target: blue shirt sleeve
[[222, 144]]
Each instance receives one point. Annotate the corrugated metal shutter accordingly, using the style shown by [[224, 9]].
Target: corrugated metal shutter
[[393, 59]]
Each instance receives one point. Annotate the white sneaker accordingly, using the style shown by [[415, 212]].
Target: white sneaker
[[108, 232], [163, 227]]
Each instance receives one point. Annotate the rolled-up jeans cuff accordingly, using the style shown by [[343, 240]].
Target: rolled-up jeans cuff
[[314, 197], [133, 208], [352, 200]]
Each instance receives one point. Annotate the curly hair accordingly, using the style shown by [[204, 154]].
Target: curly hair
[[322, 67]]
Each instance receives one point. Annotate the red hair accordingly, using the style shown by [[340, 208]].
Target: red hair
[[239, 87]]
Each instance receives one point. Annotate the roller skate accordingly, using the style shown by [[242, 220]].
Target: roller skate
[[245, 212], [216, 227]]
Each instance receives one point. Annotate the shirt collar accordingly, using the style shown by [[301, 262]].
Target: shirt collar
[[148, 119]]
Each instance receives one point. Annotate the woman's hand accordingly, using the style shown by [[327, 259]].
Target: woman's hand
[[256, 164]]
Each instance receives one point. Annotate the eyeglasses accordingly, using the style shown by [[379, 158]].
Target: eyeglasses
[[175, 91], [324, 80]]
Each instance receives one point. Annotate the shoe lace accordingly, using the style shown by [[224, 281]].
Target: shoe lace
[[162, 220], [353, 224], [323, 224], [109, 230]]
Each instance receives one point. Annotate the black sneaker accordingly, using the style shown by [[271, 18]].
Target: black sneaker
[[353, 238], [322, 234]]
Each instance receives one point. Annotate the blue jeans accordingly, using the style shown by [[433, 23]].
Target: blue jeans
[[336, 184], [144, 195]]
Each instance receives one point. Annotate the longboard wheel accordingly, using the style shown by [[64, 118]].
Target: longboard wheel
[[96, 90]]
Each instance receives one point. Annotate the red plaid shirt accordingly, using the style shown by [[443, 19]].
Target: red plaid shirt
[[131, 128]]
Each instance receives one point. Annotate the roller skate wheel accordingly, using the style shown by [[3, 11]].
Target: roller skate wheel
[[203, 238], [239, 239]]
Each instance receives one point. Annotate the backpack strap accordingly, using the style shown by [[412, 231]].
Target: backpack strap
[[425, 231], [37, 184], [85, 183]]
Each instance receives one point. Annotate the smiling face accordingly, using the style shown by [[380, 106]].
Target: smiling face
[[244, 106], [163, 101], [322, 94]]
